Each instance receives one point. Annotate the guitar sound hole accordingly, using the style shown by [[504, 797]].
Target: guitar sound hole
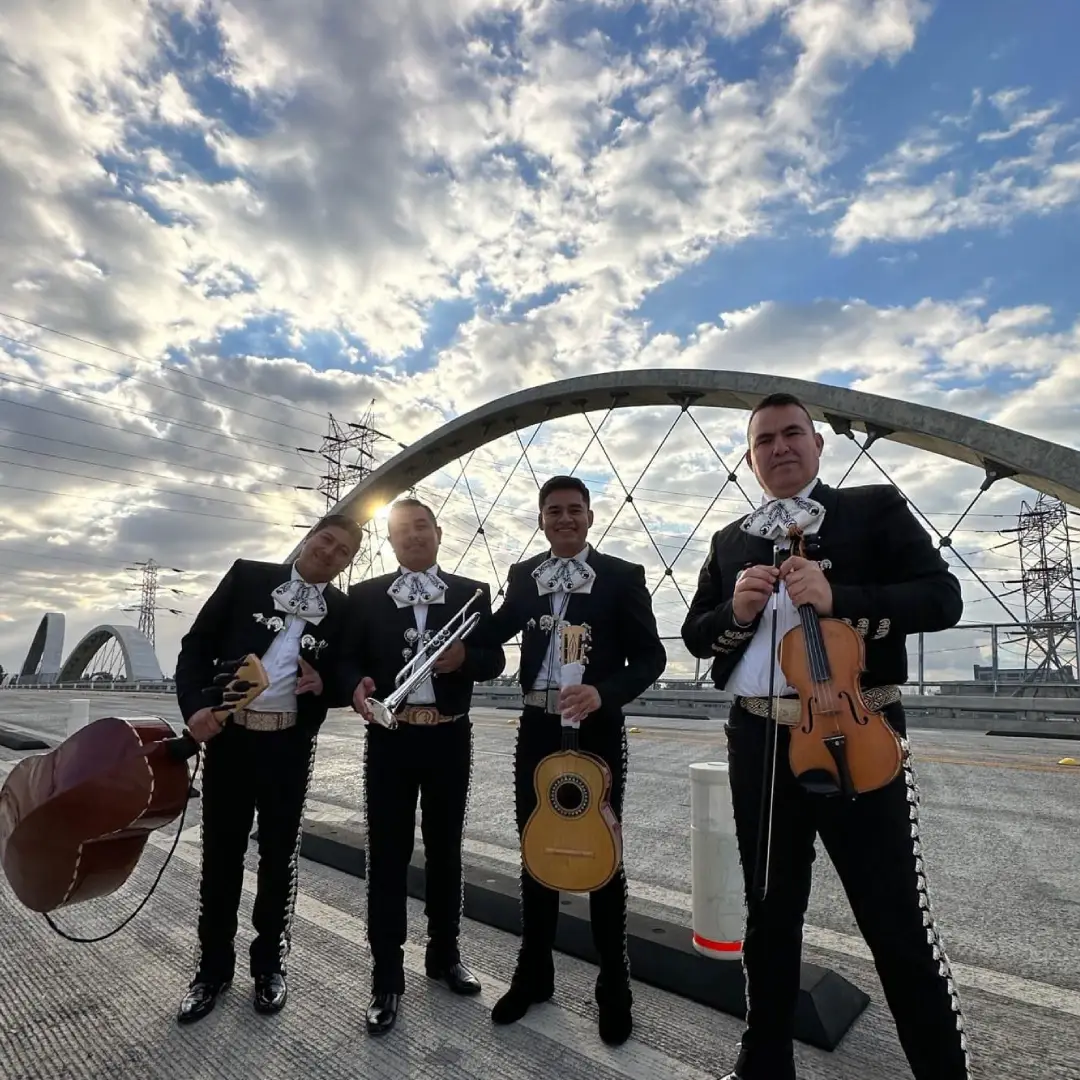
[[569, 796]]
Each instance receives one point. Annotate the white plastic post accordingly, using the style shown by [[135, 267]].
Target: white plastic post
[[719, 915], [80, 715]]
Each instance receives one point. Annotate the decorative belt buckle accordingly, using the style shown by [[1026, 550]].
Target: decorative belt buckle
[[788, 711], [424, 714]]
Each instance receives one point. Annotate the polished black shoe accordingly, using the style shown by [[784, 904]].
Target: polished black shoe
[[382, 1013], [200, 999], [270, 992], [616, 1020], [458, 977]]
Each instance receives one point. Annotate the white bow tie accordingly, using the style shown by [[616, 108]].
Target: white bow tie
[[564, 575], [414, 587], [300, 598], [773, 520]]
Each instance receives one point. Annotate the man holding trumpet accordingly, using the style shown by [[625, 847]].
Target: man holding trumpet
[[397, 623]]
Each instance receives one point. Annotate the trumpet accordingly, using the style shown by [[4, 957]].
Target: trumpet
[[443, 637], [411, 676]]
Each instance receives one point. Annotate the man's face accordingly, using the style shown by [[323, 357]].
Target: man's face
[[784, 450], [414, 537], [566, 521], [325, 554]]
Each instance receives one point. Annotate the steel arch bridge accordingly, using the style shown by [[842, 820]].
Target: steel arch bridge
[[140, 660], [998, 451], [45, 656], [862, 420]]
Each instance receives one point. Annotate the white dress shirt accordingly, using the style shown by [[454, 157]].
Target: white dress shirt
[[549, 675], [751, 675], [281, 661]]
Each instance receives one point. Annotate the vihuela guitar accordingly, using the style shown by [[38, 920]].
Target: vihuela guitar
[[572, 841], [74, 821]]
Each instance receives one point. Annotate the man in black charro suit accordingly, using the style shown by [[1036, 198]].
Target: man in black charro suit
[[870, 563], [293, 620], [428, 754], [575, 583]]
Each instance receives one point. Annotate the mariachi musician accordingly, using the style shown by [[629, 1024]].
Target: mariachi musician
[[574, 583], [292, 618], [869, 563], [394, 621]]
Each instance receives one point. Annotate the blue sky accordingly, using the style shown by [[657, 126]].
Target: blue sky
[[439, 208]]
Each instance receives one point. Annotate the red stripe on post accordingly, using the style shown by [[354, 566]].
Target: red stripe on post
[[717, 946]]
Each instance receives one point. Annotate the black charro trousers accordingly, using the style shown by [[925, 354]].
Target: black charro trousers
[[245, 771], [432, 762], [540, 734], [874, 843]]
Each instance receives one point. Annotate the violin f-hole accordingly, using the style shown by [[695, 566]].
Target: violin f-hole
[[860, 718]]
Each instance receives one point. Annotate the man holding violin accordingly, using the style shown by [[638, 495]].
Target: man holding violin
[[868, 562]]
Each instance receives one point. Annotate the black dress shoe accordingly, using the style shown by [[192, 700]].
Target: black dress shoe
[[270, 992], [458, 977], [382, 1013], [515, 1003], [200, 999]]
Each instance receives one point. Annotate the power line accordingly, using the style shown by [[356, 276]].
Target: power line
[[160, 363], [204, 428], [145, 434], [148, 590], [173, 463]]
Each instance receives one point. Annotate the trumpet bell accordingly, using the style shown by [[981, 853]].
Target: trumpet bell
[[382, 714]]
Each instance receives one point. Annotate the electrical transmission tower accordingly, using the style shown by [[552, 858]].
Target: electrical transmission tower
[[148, 605], [1049, 587], [349, 453]]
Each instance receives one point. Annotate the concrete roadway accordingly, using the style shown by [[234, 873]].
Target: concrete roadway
[[999, 824]]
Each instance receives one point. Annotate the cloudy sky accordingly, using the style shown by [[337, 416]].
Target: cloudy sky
[[224, 220]]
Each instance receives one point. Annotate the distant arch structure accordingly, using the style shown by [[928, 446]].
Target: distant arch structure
[[45, 656], [1000, 452], [140, 660]]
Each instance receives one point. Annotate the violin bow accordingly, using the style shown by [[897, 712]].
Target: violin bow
[[768, 778]]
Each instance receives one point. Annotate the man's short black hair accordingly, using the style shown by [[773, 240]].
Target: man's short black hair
[[340, 521], [777, 401], [415, 504], [563, 483]]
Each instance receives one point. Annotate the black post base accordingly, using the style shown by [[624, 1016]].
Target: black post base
[[661, 953]]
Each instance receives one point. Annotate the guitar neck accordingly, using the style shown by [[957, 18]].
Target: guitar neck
[[570, 734]]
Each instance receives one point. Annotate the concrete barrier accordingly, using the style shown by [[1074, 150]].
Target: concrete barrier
[[715, 868]]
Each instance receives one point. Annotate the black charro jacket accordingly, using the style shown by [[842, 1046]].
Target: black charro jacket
[[887, 580], [234, 621]]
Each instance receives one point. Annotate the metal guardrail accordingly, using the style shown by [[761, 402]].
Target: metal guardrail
[[694, 703], [688, 704]]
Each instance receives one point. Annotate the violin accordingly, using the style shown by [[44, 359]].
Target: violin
[[840, 746], [74, 821]]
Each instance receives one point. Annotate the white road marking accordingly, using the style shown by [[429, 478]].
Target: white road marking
[[634, 1059]]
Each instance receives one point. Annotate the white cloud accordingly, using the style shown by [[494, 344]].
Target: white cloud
[[896, 206], [361, 164]]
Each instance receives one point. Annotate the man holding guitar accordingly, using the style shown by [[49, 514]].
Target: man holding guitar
[[869, 563], [262, 758], [575, 584], [393, 619]]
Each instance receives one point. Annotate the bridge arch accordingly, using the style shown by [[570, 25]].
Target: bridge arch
[[140, 660], [1000, 452], [46, 653]]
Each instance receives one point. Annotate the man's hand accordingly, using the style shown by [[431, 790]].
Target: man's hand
[[452, 659], [806, 584], [577, 702], [204, 725], [752, 592], [310, 680], [364, 689]]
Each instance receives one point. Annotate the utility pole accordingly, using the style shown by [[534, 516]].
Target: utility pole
[[148, 590]]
